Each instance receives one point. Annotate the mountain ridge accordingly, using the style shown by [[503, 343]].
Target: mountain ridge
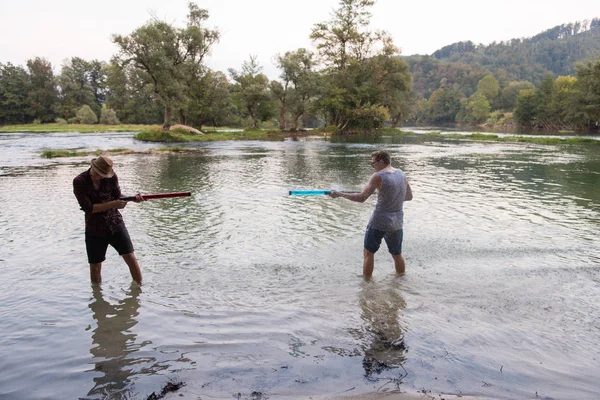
[[554, 51]]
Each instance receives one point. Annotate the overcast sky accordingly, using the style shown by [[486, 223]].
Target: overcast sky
[[60, 29]]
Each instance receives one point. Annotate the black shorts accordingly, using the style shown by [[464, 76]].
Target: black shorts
[[96, 245]]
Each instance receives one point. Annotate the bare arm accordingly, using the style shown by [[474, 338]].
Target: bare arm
[[409, 195], [108, 205], [373, 184]]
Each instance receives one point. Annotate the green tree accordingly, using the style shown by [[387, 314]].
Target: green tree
[[588, 86], [133, 100], [349, 51], [165, 56], [476, 109], [526, 109], [14, 86], [298, 87], [75, 89], [544, 115], [508, 95], [390, 82], [563, 104], [85, 115], [210, 99], [443, 105], [488, 86], [280, 93], [108, 116], [97, 75], [251, 88], [42, 95]]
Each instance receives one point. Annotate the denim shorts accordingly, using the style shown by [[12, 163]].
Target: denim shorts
[[393, 239], [96, 245]]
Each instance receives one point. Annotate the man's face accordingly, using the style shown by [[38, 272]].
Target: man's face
[[375, 163], [94, 175]]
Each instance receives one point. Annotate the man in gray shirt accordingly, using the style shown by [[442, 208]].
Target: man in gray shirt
[[386, 222]]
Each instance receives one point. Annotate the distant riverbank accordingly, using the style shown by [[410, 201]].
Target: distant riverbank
[[154, 133], [83, 128]]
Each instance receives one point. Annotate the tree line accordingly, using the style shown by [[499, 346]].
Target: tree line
[[355, 80], [562, 103], [474, 84]]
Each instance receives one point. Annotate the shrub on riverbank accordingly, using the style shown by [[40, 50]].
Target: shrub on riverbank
[[61, 153], [181, 135], [56, 153]]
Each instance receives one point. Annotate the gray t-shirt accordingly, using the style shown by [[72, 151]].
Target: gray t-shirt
[[388, 215]]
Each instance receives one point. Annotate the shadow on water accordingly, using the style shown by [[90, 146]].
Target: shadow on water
[[114, 343]]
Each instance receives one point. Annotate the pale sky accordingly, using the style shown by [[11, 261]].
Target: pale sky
[[60, 29]]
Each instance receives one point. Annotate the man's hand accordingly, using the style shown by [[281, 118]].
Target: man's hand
[[119, 204], [139, 198], [334, 193]]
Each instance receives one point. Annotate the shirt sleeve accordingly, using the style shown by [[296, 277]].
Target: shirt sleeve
[[79, 189]]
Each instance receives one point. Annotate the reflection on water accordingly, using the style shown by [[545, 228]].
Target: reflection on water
[[384, 348], [114, 344]]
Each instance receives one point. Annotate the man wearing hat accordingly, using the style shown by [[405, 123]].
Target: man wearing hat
[[98, 193]]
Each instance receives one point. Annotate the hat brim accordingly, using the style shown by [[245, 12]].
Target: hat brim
[[98, 172]]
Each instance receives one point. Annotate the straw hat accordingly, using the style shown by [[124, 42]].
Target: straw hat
[[103, 166]]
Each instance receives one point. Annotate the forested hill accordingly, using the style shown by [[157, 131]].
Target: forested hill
[[554, 51]]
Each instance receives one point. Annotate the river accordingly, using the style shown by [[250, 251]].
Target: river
[[251, 293]]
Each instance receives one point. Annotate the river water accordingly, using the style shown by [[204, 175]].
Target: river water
[[250, 293]]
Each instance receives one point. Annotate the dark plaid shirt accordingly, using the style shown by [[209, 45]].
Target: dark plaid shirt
[[102, 223]]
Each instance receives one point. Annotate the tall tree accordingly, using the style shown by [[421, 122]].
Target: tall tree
[[525, 110], [508, 95], [348, 50], [209, 99], [42, 96], [14, 86], [442, 106], [280, 93], [75, 88], [345, 37], [251, 88], [131, 97], [563, 103], [390, 81], [166, 56], [97, 75], [543, 114], [475, 110], [488, 87], [588, 84], [298, 87]]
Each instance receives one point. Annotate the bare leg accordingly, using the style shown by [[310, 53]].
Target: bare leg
[[368, 264], [134, 267], [96, 272], [399, 263]]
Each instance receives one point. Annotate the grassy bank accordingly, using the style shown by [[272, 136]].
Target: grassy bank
[[154, 133], [496, 138], [181, 136], [56, 153], [525, 139], [47, 128]]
